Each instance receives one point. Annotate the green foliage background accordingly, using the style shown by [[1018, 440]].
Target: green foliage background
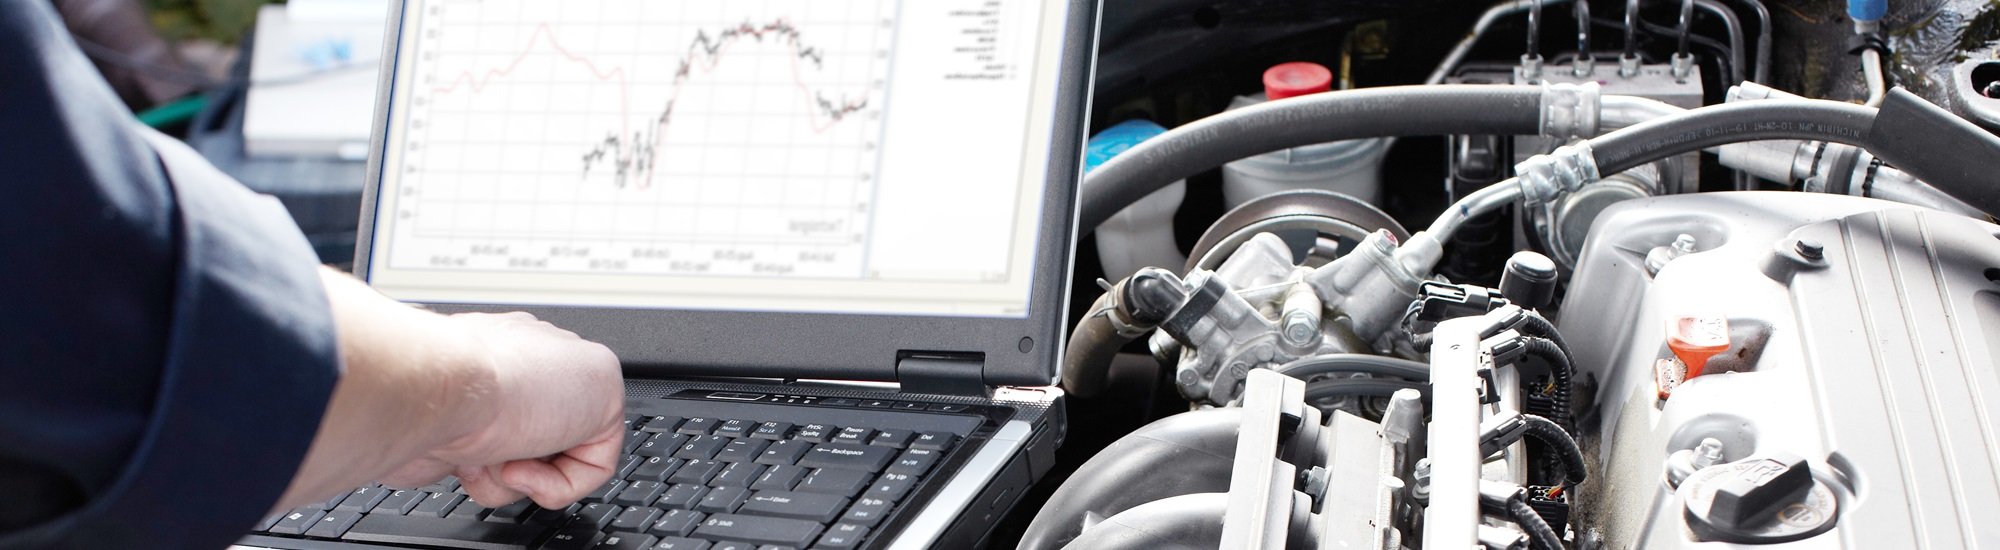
[[223, 21]]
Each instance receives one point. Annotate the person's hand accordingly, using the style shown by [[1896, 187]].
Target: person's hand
[[512, 405], [552, 429]]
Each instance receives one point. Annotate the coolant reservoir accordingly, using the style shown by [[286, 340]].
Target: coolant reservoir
[[1352, 167], [1142, 234]]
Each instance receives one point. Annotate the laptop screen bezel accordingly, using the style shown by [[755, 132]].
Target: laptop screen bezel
[[689, 342]]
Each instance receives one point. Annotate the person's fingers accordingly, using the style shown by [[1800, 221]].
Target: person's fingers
[[418, 473], [483, 485], [567, 477]]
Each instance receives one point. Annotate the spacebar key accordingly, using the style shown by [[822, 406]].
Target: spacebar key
[[443, 532]]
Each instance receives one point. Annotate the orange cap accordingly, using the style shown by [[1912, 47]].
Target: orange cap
[[1696, 338]]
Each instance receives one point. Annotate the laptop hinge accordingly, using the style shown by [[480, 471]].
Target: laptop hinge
[[943, 374]]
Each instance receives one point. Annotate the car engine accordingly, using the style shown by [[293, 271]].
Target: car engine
[[1640, 274]]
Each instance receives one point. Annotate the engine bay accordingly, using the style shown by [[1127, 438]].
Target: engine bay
[[1540, 274]]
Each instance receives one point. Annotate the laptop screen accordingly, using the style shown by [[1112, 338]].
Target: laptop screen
[[812, 156]]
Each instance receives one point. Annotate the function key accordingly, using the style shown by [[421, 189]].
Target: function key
[[908, 406], [877, 403], [949, 407], [697, 426], [735, 428], [660, 424], [772, 430], [840, 402]]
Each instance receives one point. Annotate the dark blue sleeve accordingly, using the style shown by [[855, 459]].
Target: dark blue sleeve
[[166, 349]]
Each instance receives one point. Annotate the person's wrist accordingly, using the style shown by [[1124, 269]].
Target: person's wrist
[[466, 398]]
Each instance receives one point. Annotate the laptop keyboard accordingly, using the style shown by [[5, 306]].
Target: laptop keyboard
[[695, 483]]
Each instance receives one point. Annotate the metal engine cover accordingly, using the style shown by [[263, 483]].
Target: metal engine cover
[[1877, 359]]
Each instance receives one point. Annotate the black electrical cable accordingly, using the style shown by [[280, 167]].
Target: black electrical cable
[[1546, 431], [1392, 111], [1362, 387], [1539, 532], [1348, 363]]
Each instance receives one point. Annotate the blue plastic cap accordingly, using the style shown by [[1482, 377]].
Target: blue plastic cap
[[1117, 139], [1867, 10]]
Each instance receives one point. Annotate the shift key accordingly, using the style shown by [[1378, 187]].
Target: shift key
[[759, 530], [848, 456]]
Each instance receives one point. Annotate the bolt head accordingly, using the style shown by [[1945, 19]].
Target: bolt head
[[1810, 249]]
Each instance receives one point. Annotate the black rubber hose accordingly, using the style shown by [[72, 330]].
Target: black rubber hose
[[1546, 431], [1186, 453], [1343, 363], [1540, 533], [1453, 109], [1087, 360], [1716, 125], [1363, 387]]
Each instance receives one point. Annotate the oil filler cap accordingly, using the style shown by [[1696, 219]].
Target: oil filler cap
[[1296, 79], [1762, 500]]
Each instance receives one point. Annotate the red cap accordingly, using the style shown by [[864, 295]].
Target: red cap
[[1296, 79]]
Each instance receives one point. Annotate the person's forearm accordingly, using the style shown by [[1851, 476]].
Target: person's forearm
[[411, 383]]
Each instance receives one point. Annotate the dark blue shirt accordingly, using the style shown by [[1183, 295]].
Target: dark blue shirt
[[166, 350]]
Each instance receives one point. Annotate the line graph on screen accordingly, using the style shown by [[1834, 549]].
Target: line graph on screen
[[640, 136]]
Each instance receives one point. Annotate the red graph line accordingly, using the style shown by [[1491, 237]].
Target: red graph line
[[638, 151]]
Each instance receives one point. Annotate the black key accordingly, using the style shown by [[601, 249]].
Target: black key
[[908, 406], [742, 450], [640, 493], [633, 439], [447, 533], [298, 521], [842, 536], [936, 441], [334, 524], [270, 520], [606, 491], [661, 424], [867, 511], [948, 407], [740, 474], [892, 487], [877, 403], [819, 508], [437, 505], [853, 436], [894, 439], [759, 530], [722, 500], [655, 469], [573, 538], [626, 467], [735, 428], [841, 402], [848, 457], [816, 433], [914, 462], [697, 426], [598, 515], [660, 445], [331, 502], [363, 499], [683, 496], [696, 472], [635, 519], [772, 430], [734, 545], [677, 523], [469, 510], [446, 485], [779, 478], [784, 452], [512, 513], [702, 447], [398, 503], [681, 543], [845, 483], [550, 518], [627, 541]]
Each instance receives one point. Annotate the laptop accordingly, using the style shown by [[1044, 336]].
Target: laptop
[[830, 240]]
